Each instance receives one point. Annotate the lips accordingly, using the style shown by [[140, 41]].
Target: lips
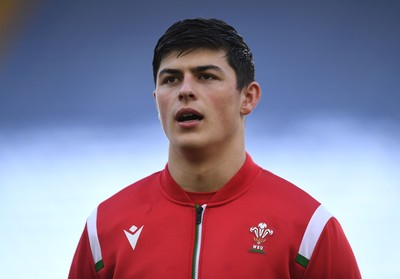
[[188, 115]]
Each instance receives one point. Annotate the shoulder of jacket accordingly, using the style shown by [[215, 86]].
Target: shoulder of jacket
[[311, 235]]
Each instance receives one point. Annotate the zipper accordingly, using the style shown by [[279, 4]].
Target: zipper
[[196, 252]]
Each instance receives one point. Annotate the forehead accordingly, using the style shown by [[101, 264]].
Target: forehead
[[194, 58]]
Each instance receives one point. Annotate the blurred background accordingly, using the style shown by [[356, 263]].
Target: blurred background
[[78, 121]]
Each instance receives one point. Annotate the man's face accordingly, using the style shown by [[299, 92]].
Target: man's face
[[198, 101]]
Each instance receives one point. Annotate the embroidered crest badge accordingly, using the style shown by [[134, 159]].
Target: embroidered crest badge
[[260, 232]]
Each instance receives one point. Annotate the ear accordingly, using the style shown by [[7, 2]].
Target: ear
[[251, 97], [155, 99]]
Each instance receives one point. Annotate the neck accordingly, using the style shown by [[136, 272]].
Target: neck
[[200, 171]]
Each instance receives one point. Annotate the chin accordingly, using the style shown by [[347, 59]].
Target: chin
[[190, 146]]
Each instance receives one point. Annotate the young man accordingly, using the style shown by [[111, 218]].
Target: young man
[[212, 212]]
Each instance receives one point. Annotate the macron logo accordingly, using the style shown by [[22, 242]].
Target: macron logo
[[133, 235]]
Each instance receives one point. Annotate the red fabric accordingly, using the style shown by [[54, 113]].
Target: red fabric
[[332, 255], [200, 198], [166, 245], [82, 265]]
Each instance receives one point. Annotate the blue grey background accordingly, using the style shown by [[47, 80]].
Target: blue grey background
[[89, 63]]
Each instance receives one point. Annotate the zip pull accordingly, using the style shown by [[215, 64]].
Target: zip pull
[[199, 211]]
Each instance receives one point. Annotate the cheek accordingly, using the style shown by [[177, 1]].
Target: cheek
[[161, 103], [226, 106], [162, 106]]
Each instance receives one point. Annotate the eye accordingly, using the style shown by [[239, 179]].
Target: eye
[[207, 77], [169, 80]]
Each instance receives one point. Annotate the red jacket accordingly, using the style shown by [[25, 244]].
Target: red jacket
[[257, 226]]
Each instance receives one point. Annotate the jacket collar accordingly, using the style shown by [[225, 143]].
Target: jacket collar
[[234, 188]]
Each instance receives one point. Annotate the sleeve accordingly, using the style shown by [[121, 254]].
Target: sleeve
[[332, 256], [83, 266]]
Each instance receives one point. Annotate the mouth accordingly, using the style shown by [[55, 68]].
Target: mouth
[[188, 115]]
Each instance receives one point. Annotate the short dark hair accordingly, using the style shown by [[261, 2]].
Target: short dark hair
[[210, 33]]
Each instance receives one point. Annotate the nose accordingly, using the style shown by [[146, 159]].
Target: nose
[[186, 90]]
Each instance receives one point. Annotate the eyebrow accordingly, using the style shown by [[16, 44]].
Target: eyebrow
[[206, 68], [197, 69], [169, 71]]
